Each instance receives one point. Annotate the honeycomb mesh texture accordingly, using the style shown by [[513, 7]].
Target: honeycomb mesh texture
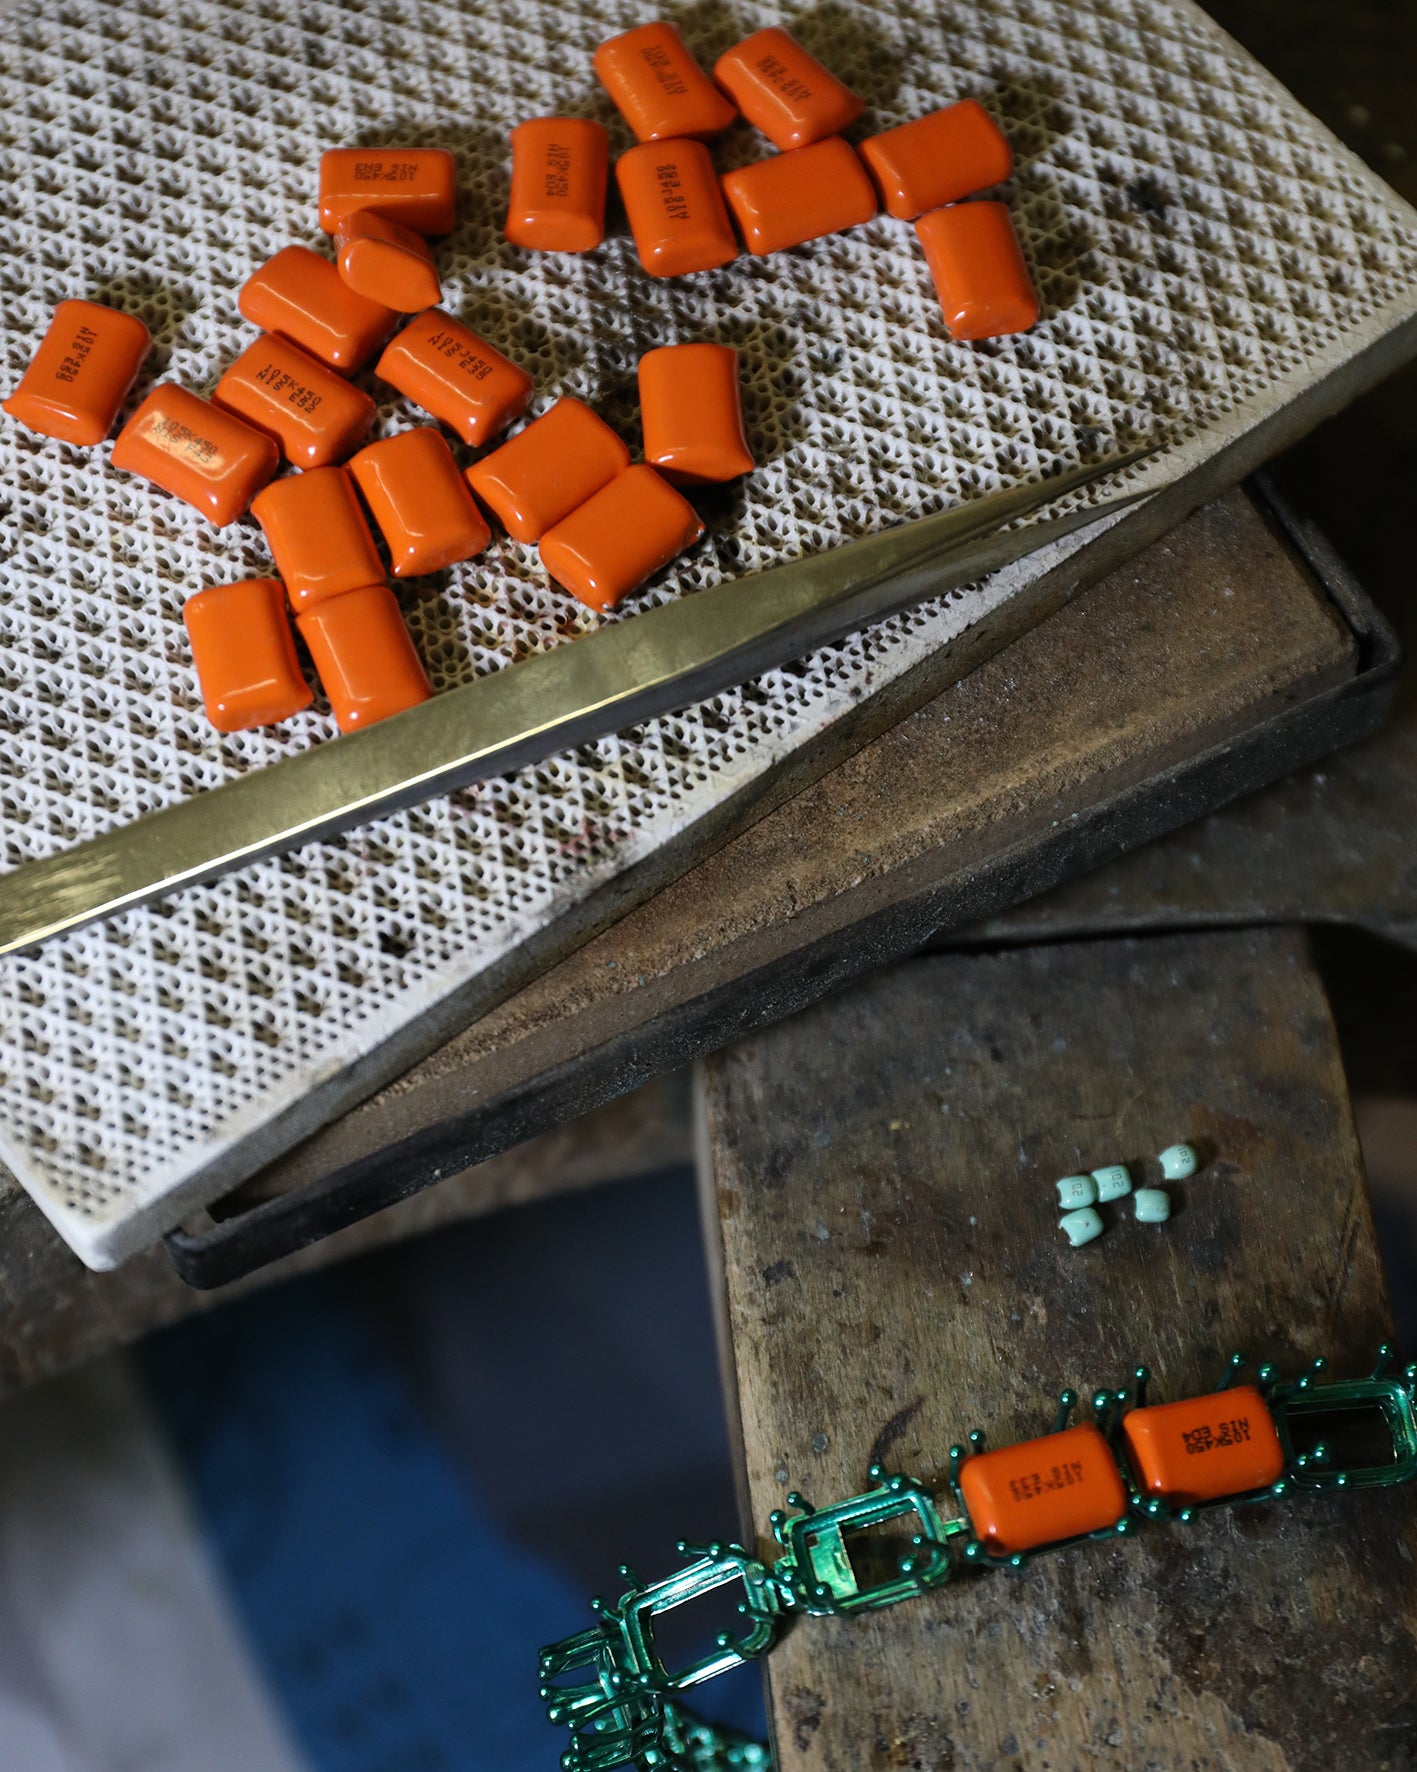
[[1202, 248]]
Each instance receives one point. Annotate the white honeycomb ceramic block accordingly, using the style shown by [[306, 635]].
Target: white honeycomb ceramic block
[[1204, 251]]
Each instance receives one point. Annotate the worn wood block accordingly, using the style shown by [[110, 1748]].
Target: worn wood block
[[880, 1174]]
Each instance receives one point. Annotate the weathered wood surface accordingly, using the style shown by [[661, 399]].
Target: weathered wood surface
[[881, 1168]]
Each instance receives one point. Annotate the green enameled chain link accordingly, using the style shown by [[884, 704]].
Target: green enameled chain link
[[610, 1688]]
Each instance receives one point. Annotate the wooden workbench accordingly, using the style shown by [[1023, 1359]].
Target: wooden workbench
[[878, 1183]]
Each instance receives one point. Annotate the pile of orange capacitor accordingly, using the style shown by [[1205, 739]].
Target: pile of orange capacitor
[[678, 207], [565, 482]]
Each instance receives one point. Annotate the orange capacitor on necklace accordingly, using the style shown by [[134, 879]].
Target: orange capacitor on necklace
[[386, 263], [317, 533], [559, 461], [612, 543], [77, 379], [785, 92], [559, 170], [245, 654], [314, 414], [936, 159], [415, 187], [445, 368], [658, 87], [197, 452], [799, 196], [692, 414], [675, 208], [1204, 1448], [983, 284], [366, 660], [303, 297], [420, 502], [1042, 1491]]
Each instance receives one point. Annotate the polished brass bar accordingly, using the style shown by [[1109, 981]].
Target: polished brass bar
[[623, 673]]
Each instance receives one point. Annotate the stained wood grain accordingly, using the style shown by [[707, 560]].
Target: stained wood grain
[[879, 1170]]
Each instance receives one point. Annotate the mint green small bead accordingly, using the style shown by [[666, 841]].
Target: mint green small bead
[[1178, 1162], [1153, 1205], [1081, 1226], [1076, 1190], [1112, 1182]]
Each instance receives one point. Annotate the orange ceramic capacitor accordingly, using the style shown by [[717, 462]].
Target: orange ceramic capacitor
[[317, 533], [658, 87], [675, 208], [1205, 1447], [386, 263], [420, 501], [303, 297], [983, 284], [197, 452], [938, 158], [313, 413], [559, 169], [785, 92], [612, 543], [415, 187], [445, 368], [78, 377], [559, 461], [692, 415], [799, 196], [245, 654], [1042, 1491], [365, 658]]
